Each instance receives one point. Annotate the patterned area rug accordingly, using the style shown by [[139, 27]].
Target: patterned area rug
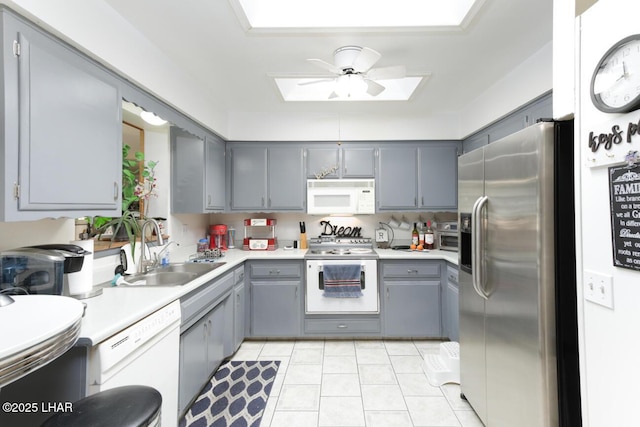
[[235, 396]]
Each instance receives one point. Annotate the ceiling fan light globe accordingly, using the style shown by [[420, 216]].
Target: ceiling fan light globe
[[349, 85]]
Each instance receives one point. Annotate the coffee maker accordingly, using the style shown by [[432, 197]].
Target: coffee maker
[[39, 270]]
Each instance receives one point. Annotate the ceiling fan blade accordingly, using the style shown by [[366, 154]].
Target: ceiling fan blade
[[312, 82], [383, 73], [365, 59], [373, 88], [325, 65]]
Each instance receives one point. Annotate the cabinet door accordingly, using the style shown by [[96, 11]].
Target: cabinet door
[[358, 162], [540, 109], [70, 130], [397, 178], [275, 308], [248, 178], [193, 362], [187, 172], [323, 159], [215, 324], [412, 309], [286, 178], [214, 175], [439, 177], [452, 311], [238, 322]]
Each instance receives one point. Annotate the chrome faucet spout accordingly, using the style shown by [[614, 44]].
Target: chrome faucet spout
[[147, 264]]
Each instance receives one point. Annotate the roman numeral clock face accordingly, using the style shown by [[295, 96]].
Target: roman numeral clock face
[[615, 85]]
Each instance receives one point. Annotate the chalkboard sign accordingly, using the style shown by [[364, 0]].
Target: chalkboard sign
[[624, 193]]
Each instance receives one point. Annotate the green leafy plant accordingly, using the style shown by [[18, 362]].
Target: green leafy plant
[[133, 191]]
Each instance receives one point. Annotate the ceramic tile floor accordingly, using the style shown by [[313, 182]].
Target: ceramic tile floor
[[356, 383]]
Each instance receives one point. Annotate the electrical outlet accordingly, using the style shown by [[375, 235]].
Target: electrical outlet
[[598, 288], [185, 229]]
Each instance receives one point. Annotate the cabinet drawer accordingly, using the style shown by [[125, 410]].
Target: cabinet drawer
[[337, 326], [238, 275], [276, 270], [194, 304], [406, 270]]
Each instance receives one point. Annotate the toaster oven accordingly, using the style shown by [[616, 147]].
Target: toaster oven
[[448, 236]]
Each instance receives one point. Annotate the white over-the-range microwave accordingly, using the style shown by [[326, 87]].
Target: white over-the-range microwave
[[341, 196]]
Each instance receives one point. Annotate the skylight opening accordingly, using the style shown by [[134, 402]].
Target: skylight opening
[[340, 14], [296, 89]]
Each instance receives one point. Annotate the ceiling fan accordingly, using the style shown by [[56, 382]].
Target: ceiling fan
[[354, 75]]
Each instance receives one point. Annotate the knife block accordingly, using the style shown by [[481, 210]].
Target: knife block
[[303, 240]]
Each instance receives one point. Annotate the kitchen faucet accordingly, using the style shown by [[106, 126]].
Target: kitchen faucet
[[146, 265]]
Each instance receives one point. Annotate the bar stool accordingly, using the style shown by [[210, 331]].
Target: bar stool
[[128, 406]]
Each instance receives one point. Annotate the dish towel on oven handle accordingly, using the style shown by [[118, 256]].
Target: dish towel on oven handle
[[342, 281]]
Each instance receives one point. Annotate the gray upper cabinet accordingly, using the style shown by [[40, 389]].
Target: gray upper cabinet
[[344, 162], [358, 162], [397, 181], [438, 170], [287, 187], [325, 159], [197, 173], [265, 178], [61, 129], [248, 178], [541, 108], [214, 174]]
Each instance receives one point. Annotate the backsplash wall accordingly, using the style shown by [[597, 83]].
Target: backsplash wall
[[287, 226]]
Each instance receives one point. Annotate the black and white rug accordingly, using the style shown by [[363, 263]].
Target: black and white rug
[[235, 397]]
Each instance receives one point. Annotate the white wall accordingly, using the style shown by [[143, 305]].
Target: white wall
[[525, 82], [261, 126], [98, 30], [610, 347]]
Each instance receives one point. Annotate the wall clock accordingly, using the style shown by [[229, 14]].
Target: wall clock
[[615, 84]]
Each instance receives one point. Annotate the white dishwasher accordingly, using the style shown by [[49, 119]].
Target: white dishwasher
[[146, 353]]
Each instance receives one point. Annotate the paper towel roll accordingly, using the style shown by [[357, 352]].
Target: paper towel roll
[[81, 282]]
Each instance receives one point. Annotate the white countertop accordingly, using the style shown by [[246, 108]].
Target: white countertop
[[119, 307]]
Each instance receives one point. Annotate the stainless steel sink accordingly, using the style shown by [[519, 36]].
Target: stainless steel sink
[[190, 267], [178, 274]]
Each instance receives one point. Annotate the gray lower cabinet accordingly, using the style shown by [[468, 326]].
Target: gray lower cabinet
[[451, 305], [58, 108], [411, 298], [206, 327], [197, 173], [275, 298], [236, 306], [267, 178]]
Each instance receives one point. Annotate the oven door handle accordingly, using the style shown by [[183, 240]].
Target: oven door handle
[[362, 267]]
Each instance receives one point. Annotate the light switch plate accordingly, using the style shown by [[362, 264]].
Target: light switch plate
[[598, 288]]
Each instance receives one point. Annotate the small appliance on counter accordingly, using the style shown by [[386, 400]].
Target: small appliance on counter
[[218, 237], [447, 236], [39, 270], [267, 242]]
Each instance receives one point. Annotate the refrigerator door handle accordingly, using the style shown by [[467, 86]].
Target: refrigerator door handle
[[477, 243]]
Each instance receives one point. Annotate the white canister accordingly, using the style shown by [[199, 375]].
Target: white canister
[[81, 282]]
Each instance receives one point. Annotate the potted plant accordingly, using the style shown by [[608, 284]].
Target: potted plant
[[134, 191]]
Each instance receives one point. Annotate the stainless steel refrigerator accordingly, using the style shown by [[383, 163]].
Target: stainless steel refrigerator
[[518, 316]]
